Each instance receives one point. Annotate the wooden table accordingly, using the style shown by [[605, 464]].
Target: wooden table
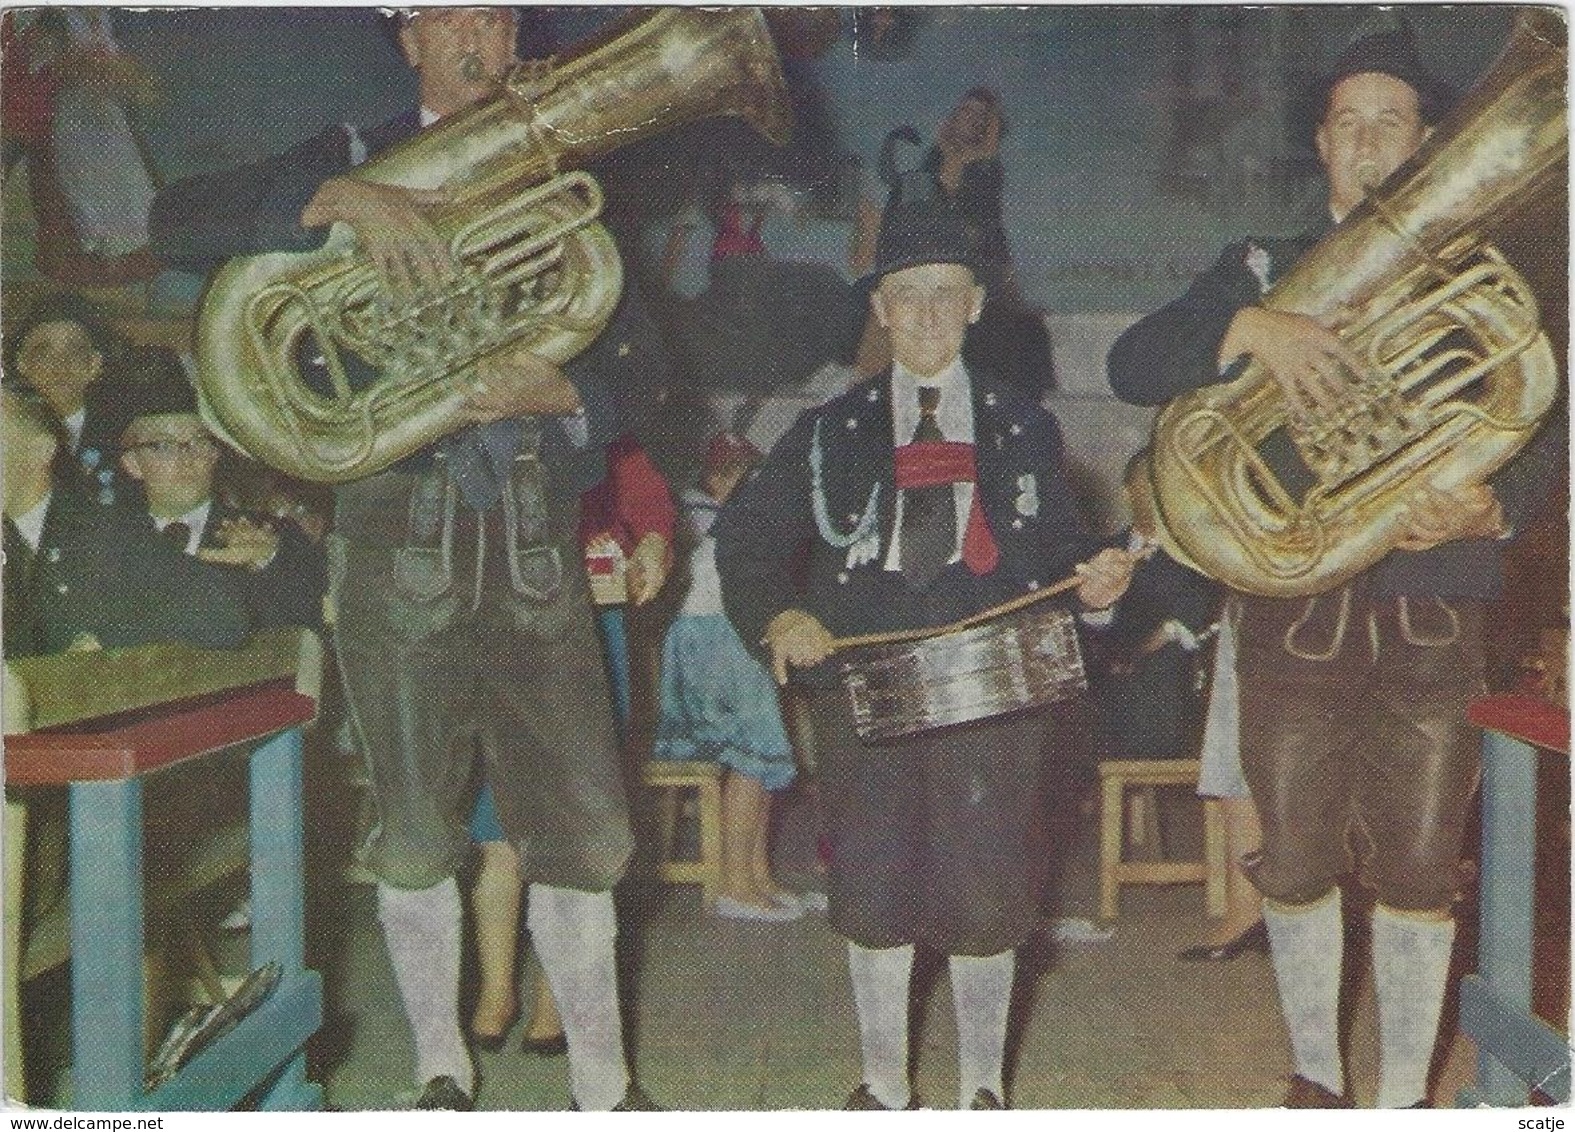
[[104, 765], [1516, 1050]]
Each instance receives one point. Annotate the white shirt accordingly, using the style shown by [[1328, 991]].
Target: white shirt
[[954, 417], [196, 519], [74, 425], [30, 524]]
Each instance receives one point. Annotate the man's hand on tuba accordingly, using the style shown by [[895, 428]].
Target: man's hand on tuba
[[1308, 361], [518, 383], [404, 247], [1432, 517]]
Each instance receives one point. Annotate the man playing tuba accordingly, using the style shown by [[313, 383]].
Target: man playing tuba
[[1353, 702], [462, 612]]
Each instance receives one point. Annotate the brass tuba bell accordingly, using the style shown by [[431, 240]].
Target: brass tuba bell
[[535, 267], [1458, 374]]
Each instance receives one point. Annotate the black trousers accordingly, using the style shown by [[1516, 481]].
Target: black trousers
[[938, 838]]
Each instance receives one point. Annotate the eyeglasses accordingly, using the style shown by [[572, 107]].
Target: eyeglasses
[[174, 449]]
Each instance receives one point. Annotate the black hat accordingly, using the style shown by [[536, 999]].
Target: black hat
[[925, 231], [63, 306], [1386, 44], [154, 384], [533, 39]]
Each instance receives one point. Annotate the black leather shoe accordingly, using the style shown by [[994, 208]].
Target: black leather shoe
[[555, 1046], [1255, 938], [985, 1100], [863, 1100], [443, 1094], [1309, 1094]]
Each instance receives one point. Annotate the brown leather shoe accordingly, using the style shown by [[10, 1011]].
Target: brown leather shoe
[[1309, 1094], [985, 1100]]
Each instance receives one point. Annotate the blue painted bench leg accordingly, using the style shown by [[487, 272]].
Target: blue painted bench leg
[[1509, 793], [107, 1005], [279, 888]]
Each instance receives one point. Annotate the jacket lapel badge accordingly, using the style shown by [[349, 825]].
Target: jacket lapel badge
[[1027, 502]]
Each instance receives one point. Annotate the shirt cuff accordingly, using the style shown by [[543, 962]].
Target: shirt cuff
[[1098, 618], [577, 427]]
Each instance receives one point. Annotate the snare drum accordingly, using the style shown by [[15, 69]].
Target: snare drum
[[1017, 661]]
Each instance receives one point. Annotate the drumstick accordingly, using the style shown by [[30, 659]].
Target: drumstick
[[838, 644]]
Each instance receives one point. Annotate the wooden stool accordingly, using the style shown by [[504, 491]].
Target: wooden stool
[[705, 779], [1115, 777]]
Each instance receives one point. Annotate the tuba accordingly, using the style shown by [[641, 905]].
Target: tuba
[[535, 267], [1457, 372]]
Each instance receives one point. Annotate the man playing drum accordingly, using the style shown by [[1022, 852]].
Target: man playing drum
[[925, 496]]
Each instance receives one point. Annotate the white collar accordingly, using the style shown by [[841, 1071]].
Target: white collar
[[428, 117], [74, 424], [948, 380], [955, 416], [30, 524], [196, 520]]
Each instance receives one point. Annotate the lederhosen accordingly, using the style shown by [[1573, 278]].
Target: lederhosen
[[453, 623]]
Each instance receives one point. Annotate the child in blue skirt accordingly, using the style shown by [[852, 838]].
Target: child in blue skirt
[[719, 702]]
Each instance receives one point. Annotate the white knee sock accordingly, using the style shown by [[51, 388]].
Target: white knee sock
[[981, 994], [880, 994], [422, 930], [1307, 943], [1410, 974], [574, 934]]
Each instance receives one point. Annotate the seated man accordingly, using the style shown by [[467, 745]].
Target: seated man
[[63, 350], [80, 575], [168, 450]]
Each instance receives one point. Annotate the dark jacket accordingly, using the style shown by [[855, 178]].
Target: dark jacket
[[1161, 590], [1175, 350], [1152, 702], [770, 519], [97, 572], [287, 591]]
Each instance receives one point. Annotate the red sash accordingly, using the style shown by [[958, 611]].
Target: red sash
[[930, 463]]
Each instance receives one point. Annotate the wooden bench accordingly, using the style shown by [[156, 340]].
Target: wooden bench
[[1122, 821], [101, 725]]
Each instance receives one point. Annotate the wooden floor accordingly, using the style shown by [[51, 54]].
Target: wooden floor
[[733, 1016]]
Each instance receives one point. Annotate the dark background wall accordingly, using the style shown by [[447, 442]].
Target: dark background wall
[[1140, 137]]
